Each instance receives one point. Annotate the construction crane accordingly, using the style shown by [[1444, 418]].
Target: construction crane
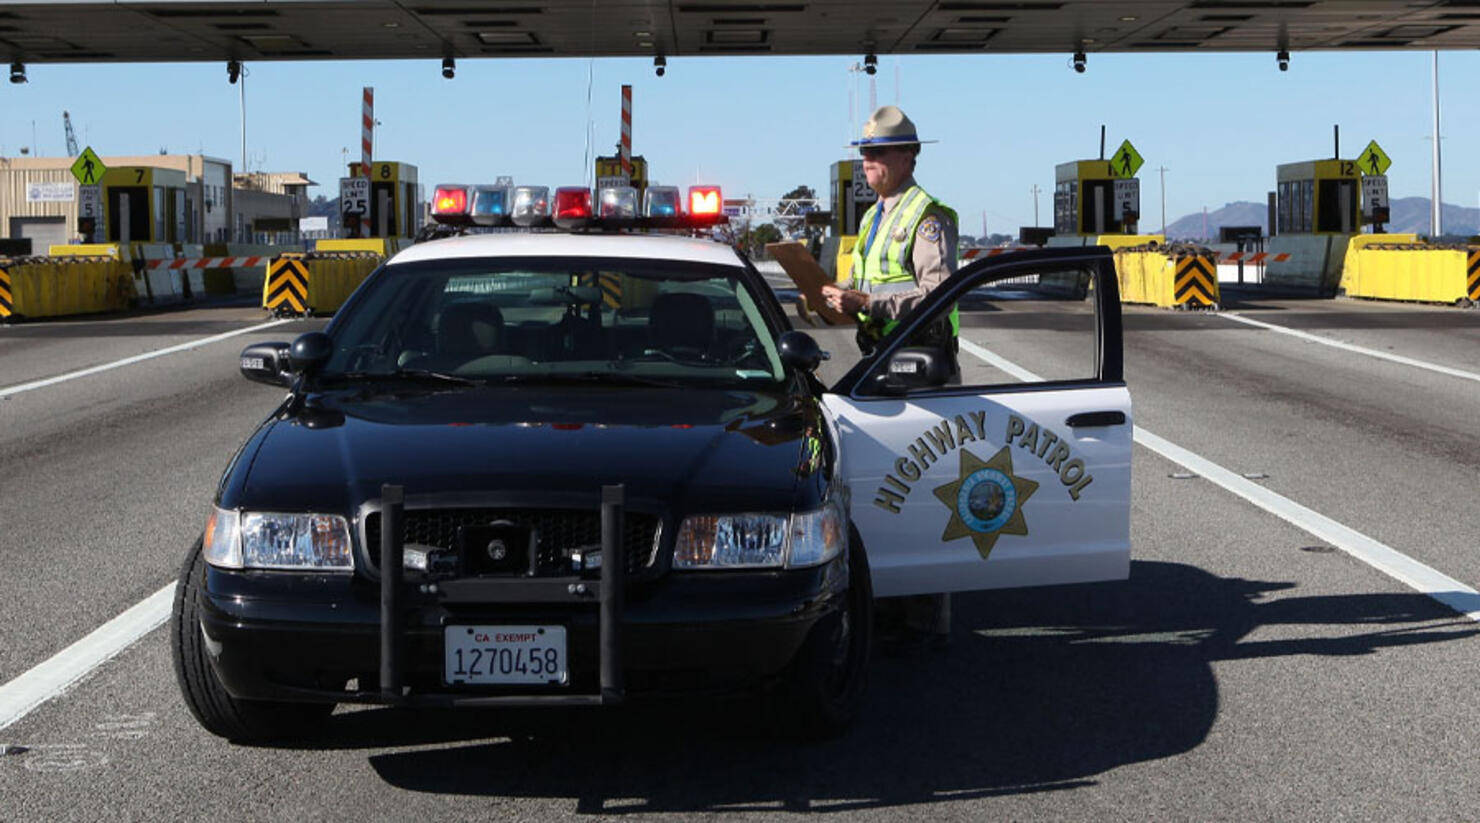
[[71, 135]]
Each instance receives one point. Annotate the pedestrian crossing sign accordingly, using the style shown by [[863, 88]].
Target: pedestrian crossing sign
[[1374, 160], [1126, 162], [88, 168]]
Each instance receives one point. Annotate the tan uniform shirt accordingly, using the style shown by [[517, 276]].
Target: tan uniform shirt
[[932, 259]]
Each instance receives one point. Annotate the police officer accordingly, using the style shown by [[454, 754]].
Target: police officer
[[906, 247], [906, 244]]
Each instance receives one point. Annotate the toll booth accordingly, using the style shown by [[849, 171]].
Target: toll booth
[[1317, 212], [609, 174], [143, 204], [1318, 197], [394, 207], [851, 196], [1090, 199]]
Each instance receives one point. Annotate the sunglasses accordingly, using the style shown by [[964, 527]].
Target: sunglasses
[[874, 152]]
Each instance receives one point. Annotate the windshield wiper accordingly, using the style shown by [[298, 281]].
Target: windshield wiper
[[611, 377], [407, 374]]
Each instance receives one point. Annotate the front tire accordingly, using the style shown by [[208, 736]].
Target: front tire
[[823, 693], [218, 712]]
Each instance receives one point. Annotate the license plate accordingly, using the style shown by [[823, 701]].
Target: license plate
[[505, 654]]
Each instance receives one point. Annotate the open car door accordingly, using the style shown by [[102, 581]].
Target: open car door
[[1015, 473]]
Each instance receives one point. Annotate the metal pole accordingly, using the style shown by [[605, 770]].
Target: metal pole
[[613, 570], [1035, 205], [392, 500], [1436, 226], [1163, 172], [241, 88]]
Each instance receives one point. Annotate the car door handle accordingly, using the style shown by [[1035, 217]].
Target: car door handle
[[1099, 418]]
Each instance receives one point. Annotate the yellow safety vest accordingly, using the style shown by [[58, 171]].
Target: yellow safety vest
[[886, 264]]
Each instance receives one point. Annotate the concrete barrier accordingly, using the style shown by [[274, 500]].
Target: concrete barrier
[[315, 283], [1314, 263], [1170, 277], [35, 287], [1398, 267]]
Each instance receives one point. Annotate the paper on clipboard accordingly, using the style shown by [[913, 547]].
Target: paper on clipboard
[[803, 270]]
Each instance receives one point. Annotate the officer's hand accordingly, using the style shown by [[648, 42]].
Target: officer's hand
[[847, 301]]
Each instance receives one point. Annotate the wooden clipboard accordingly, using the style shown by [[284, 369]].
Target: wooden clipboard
[[802, 268]]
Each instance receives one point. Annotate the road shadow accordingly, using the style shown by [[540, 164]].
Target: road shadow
[[1041, 690]]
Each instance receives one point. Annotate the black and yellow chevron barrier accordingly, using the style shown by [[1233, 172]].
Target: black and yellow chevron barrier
[[7, 300], [316, 282], [611, 290], [1175, 276], [1196, 282], [1473, 276], [286, 288]]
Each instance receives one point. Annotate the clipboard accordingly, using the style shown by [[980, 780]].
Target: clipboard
[[803, 270]]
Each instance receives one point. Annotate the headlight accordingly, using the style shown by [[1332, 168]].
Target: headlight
[[818, 536], [255, 540], [754, 541]]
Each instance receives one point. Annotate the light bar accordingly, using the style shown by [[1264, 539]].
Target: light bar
[[618, 201], [531, 205], [572, 207], [450, 204], [661, 201], [704, 200], [490, 205]]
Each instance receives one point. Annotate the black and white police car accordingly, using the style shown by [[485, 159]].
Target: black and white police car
[[567, 468]]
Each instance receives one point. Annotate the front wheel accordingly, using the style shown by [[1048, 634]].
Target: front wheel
[[823, 693], [219, 712]]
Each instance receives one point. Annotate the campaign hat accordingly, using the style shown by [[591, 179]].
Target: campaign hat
[[888, 126]]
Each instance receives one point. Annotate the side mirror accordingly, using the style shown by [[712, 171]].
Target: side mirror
[[267, 363], [799, 351], [913, 368], [310, 351]]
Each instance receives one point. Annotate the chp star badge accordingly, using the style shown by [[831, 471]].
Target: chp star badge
[[986, 500], [930, 229]]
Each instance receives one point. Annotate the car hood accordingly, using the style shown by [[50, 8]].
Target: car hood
[[694, 449]]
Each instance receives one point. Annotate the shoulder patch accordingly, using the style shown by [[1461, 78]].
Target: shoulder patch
[[930, 229]]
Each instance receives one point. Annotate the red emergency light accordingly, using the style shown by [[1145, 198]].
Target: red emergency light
[[704, 200], [450, 204], [572, 206]]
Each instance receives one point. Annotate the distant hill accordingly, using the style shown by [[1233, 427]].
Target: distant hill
[[1409, 215]]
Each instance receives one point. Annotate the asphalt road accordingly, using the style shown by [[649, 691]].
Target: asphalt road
[[1246, 670]]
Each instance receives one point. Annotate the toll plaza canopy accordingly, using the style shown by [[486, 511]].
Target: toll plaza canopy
[[172, 30]]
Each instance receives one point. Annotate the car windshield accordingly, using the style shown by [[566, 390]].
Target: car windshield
[[629, 322]]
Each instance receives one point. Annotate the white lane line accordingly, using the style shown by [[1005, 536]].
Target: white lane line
[[1389, 561], [1380, 355], [50, 678], [148, 355]]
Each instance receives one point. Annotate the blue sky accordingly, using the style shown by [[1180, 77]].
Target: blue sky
[[1219, 123]]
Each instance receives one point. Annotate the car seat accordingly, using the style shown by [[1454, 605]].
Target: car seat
[[681, 323], [470, 330]]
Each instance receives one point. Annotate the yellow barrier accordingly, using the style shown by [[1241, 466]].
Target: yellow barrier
[[314, 283], [383, 246], [55, 286], [112, 250], [1398, 267], [1170, 278]]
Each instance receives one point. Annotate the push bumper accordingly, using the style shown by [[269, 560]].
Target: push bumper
[[291, 637]]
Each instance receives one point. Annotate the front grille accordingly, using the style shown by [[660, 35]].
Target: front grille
[[558, 532]]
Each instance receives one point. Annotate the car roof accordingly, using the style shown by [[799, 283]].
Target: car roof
[[565, 244]]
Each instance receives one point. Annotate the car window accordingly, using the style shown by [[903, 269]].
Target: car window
[[1041, 320], [504, 320]]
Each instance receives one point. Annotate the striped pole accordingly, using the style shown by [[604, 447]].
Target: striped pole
[[627, 132], [367, 139]]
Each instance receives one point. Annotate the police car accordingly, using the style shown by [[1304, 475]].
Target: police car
[[575, 467]]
